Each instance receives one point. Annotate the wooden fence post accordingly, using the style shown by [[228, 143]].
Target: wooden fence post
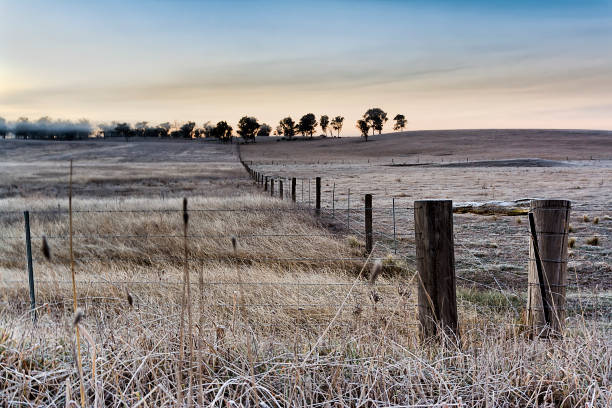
[[26, 216], [437, 299], [293, 186], [280, 189], [266, 184], [550, 219], [272, 187], [368, 223], [318, 196]]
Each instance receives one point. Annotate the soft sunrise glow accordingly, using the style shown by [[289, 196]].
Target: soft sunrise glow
[[475, 65]]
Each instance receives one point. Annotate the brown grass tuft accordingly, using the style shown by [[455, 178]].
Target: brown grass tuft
[[594, 241]]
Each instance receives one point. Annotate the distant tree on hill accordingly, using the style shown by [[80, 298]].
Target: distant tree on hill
[[223, 131], [208, 129], [187, 130], [163, 129], [264, 130], [123, 130], [324, 123], [288, 126], [336, 124], [376, 118], [3, 128], [247, 128], [140, 128], [278, 130], [364, 128], [400, 122], [308, 124]]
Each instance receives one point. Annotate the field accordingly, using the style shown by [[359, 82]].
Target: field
[[290, 316]]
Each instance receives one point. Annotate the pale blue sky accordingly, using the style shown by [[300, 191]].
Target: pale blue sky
[[444, 64]]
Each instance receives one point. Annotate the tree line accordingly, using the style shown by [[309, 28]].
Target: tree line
[[248, 128]]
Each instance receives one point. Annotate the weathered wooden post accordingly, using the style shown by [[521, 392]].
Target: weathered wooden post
[[280, 189], [266, 184], [26, 216], [368, 223], [549, 224], [318, 196], [293, 186], [437, 299], [272, 187]]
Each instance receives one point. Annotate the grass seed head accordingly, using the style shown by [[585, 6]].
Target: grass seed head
[[185, 214], [376, 269], [78, 317], [234, 244], [45, 248]]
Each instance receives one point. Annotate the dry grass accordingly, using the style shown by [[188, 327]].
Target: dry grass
[[266, 332]]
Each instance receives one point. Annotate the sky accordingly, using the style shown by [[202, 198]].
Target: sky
[[443, 64]]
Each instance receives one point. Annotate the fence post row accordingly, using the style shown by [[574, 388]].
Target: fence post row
[[547, 280], [26, 216], [368, 223], [437, 299], [318, 196]]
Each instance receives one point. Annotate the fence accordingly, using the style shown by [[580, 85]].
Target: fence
[[404, 235], [548, 272]]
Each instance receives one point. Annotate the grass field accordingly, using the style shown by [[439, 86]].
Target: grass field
[[289, 317]]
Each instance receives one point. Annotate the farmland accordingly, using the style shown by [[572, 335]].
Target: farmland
[[289, 316]]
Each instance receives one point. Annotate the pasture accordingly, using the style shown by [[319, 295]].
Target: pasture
[[290, 315]]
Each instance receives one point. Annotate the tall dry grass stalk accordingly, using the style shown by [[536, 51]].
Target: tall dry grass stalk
[[74, 294]]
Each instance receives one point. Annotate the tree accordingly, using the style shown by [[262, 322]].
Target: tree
[[140, 128], [336, 124], [288, 126], [364, 128], [3, 128], [400, 122], [123, 130], [278, 131], [324, 122], [187, 130], [307, 124], [264, 130], [208, 129], [247, 128], [376, 118], [163, 129], [223, 131]]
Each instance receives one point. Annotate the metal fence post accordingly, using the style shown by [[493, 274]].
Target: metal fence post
[[26, 216]]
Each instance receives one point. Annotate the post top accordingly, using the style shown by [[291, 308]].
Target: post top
[[561, 204], [435, 201]]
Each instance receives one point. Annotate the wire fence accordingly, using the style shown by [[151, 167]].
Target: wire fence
[[489, 256]]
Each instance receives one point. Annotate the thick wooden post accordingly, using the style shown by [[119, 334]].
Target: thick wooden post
[[368, 223], [318, 197], [293, 186], [266, 184], [280, 189], [433, 229], [272, 187], [26, 216], [551, 221]]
